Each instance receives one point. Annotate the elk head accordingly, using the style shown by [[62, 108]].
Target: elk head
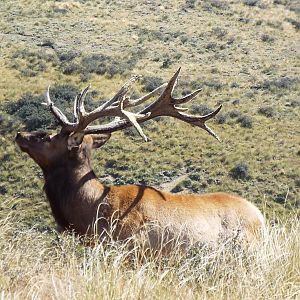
[[76, 139], [49, 150]]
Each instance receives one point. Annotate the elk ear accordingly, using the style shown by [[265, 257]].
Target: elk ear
[[99, 139], [75, 140]]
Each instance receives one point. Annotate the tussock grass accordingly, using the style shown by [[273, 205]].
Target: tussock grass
[[44, 265]]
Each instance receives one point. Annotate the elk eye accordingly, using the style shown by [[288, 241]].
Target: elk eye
[[46, 138], [41, 137]]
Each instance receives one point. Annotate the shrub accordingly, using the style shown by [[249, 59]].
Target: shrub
[[236, 102], [195, 176], [35, 116], [30, 62], [70, 68], [200, 109], [214, 84], [95, 63], [7, 123], [295, 23], [234, 114], [67, 56], [30, 111], [240, 171], [150, 83], [217, 4], [184, 39], [221, 118], [295, 103], [111, 163], [3, 189], [211, 46], [250, 2], [281, 198], [267, 38], [190, 4], [178, 188], [166, 63], [220, 32], [115, 68], [267, 111], [101, 64], [27, 72], [245, 121], [85, 77], [284, 82]]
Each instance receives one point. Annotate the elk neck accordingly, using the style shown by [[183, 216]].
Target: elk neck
[[72, 189]]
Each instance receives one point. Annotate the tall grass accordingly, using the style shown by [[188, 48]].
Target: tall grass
[[45, 265]]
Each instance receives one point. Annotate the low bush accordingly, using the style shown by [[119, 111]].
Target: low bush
[[234, 114], [251, 2], [94, 63], [7, 123], [150, 83], [295, 23], [221, 118], [71, 68], [214, 84], [267, 111], [34, 116], [30, 63], [240, 171], [200, 109], [67, 55], [102, 64], [285, 82], [85, 77], [245, 121], [166, 63], [211, 5], [267, 38]]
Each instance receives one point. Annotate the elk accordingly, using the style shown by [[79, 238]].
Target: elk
[[81, 203]]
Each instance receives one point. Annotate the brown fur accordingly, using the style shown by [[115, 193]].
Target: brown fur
[[79, 202]]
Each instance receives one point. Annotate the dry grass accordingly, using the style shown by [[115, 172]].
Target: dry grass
[[37, 265]]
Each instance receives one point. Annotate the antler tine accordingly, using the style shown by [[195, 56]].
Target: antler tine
[[212, 114], [119, 95], [62, 119], [75, 109], [211, 132], [188, 97], [81, 98], [132, 118], [142, 99], [171, 85], [199, 121]]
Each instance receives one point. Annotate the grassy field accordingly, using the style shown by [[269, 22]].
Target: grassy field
[[243, 54], [37, 265]]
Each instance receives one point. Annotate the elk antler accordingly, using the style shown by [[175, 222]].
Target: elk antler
[[165, 105]]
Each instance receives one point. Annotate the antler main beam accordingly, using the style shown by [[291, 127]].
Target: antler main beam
[[165, 105]]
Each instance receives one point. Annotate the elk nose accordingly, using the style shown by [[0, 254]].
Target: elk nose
[[19, 134]]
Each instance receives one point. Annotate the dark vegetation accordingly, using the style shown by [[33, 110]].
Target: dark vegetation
[[240, 171], [28, 108]]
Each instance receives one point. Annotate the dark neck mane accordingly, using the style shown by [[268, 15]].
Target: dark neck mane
[[62, 184]]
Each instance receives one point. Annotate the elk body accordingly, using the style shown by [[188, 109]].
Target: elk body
[[80, 202]]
